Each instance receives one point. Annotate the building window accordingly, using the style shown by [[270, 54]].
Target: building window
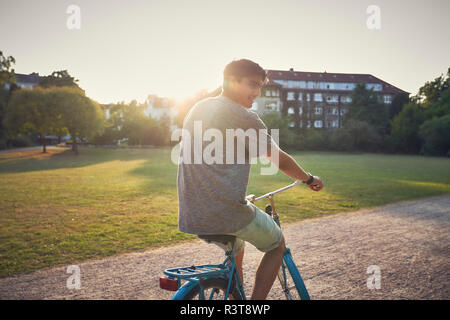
[[291, 110], [267, 93], [308, 97], [300, 96], [318, 124], [346, 99], [335, 124], [388, 99], [300, 110], [271, 106], [318, 110], [335, 111], [275, 93], [312, 84], [282, 82], [318, 97], [342, 112], [332, 98], [290, 96], [292, 124], [374, 86]]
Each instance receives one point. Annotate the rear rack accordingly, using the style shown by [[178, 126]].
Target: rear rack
[[197, 271]]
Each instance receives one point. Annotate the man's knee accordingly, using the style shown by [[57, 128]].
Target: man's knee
[[281, 246]]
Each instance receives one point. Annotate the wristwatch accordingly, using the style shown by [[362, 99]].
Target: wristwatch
[[310, 180]]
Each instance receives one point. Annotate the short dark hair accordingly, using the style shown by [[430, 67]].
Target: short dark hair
[[243, 68]]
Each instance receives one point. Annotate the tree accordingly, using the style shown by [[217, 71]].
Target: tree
[[405, 128], [109, 135], [60, 78], [435, 133], [7, 85], [6, 71], [362, 136], [431, 91], [442, 106], [32, 111], [287, 135], [398, 102], [82, 116], [134, 122], [366, 107]]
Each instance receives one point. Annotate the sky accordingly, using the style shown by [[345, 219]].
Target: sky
[[125, 50]]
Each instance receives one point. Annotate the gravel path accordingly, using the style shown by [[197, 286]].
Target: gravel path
[[408, 241]]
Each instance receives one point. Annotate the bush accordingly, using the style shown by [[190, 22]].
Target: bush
[[340, 140], [405, 128], [359, 135], [288, 138], [23, 141], [314, 140], [436, 136]]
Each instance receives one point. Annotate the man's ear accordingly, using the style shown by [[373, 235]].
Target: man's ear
[[226, 83]]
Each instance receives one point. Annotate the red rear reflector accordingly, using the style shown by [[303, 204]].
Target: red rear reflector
[[168, 284]]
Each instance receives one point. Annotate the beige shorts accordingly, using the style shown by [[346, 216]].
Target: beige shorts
[[262, 232]]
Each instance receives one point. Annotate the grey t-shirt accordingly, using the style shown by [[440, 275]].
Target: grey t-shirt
[[211, 193]]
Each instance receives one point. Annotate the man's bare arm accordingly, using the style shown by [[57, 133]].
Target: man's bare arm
[[291, 168]]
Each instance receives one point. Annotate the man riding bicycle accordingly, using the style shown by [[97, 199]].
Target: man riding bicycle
[[212, 195]]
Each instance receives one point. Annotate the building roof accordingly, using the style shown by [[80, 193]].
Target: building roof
[[34, 78], [331, 77], [270, 82]]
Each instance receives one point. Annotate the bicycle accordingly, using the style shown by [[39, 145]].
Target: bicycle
[[222, 280]]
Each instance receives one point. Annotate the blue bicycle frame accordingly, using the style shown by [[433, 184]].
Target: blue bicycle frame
[[195, 275]]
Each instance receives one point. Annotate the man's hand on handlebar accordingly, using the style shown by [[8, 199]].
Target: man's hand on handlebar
[[316, 185]]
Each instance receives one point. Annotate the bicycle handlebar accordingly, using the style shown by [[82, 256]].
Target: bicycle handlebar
[[267, 195]]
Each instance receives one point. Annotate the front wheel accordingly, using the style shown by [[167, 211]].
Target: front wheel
[[214, 289]]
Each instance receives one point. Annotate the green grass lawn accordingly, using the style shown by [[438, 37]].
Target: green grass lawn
[[59, 208]]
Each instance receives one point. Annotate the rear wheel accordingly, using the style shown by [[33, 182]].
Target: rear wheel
[[214, 289]]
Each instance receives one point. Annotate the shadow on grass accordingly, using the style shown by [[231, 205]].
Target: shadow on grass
[[59, 158]]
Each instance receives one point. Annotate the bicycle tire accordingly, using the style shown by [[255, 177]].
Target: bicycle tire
[[295, 276], [214, 283]]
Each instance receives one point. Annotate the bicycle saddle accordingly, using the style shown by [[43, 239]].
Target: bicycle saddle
[[222, 238]]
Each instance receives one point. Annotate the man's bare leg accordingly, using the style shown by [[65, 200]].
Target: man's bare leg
[[239, 259], [267, 272]]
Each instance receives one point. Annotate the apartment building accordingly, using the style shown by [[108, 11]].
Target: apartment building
[[316, 99]]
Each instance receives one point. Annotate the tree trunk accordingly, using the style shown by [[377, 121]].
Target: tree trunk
[[75, 146], [44, 144]]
